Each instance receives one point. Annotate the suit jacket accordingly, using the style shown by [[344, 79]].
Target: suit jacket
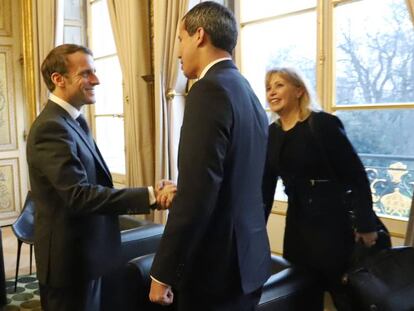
[[215, 237], [76, 225]]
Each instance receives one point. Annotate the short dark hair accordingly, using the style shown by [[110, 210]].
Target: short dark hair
[[216, 20], [56, 61]]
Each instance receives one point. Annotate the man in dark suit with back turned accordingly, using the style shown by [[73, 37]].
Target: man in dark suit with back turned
[[77, 237], [214, 253]]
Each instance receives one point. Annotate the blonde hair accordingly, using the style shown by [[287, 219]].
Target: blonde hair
[[307, 102]]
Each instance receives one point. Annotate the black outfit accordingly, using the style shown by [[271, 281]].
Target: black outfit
[[77, 237], [318, 165], [215, 245]]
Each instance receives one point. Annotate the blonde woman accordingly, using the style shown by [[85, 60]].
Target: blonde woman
[[309, 150]]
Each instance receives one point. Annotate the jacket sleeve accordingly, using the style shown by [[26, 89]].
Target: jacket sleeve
[[348, 168], [52, 154]]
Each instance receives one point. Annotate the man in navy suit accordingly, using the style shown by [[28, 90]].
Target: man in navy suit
[[77, 237], [214, 253]]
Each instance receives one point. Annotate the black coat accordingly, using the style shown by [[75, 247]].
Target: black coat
[[319, 233]]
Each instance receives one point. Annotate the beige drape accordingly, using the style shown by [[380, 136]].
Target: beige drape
[[130, 24], [409, 237], [49, 33], [169, 81], [170, 85], [410, 7]]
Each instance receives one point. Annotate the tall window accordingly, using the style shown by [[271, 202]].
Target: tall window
[[277, 33], [74, 22], [359, 55], [374, 95], [107, 113]]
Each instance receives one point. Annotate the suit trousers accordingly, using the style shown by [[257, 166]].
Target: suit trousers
[[192, 299], [84, 296]]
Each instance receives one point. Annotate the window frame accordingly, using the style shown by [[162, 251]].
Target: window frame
[[325, 83], [118, 178]]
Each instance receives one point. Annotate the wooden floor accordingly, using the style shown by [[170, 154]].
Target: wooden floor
[[10, 254]]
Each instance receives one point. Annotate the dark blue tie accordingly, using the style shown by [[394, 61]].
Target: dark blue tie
[[82, 123]]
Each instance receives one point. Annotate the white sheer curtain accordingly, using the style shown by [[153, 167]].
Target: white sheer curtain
[[409, 237], [131, 27], [49, 33], [170, 86]]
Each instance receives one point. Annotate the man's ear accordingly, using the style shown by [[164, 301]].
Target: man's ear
[[58, 79], [201, 36]]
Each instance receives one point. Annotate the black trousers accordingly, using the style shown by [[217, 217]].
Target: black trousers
[[84, 296], [192, 299]]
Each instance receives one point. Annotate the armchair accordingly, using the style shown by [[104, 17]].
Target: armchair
[[138, 238], [288, 289]]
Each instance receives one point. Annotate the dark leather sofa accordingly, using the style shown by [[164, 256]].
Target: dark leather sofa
[[138, 237], [127, 288], [288, 289]]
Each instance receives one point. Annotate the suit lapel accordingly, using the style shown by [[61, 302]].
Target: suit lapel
[[56, 110], [103, 163], [93, 149]]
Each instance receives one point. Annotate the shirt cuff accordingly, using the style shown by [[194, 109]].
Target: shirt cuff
[[152, 199], [159, 282]]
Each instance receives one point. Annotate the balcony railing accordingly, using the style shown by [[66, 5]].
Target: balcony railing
[[392, 181]]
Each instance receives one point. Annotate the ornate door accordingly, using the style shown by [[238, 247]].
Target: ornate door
[[13, 171]]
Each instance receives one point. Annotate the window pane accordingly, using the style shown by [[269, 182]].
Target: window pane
[[110, 139], [374, 53], [384, 140], [72, 9], [289, 41], [251, 9], [109, 93], [102, 42], [72, 34]]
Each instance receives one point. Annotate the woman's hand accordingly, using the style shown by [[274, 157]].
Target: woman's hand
[[368, 239]]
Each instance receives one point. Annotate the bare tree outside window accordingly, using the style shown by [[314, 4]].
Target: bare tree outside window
[[373, 72], [375, 54], [375, 65]]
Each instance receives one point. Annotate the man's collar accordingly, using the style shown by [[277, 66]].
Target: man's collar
[[203, 73], [73, 112]]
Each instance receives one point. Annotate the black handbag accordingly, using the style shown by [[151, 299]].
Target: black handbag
[[361, 253], [382, 280]]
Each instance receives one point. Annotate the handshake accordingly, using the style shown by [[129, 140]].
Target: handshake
[[164, 192]]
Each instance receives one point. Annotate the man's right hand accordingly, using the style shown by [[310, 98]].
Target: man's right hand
[[165, 192], [161, 293]]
